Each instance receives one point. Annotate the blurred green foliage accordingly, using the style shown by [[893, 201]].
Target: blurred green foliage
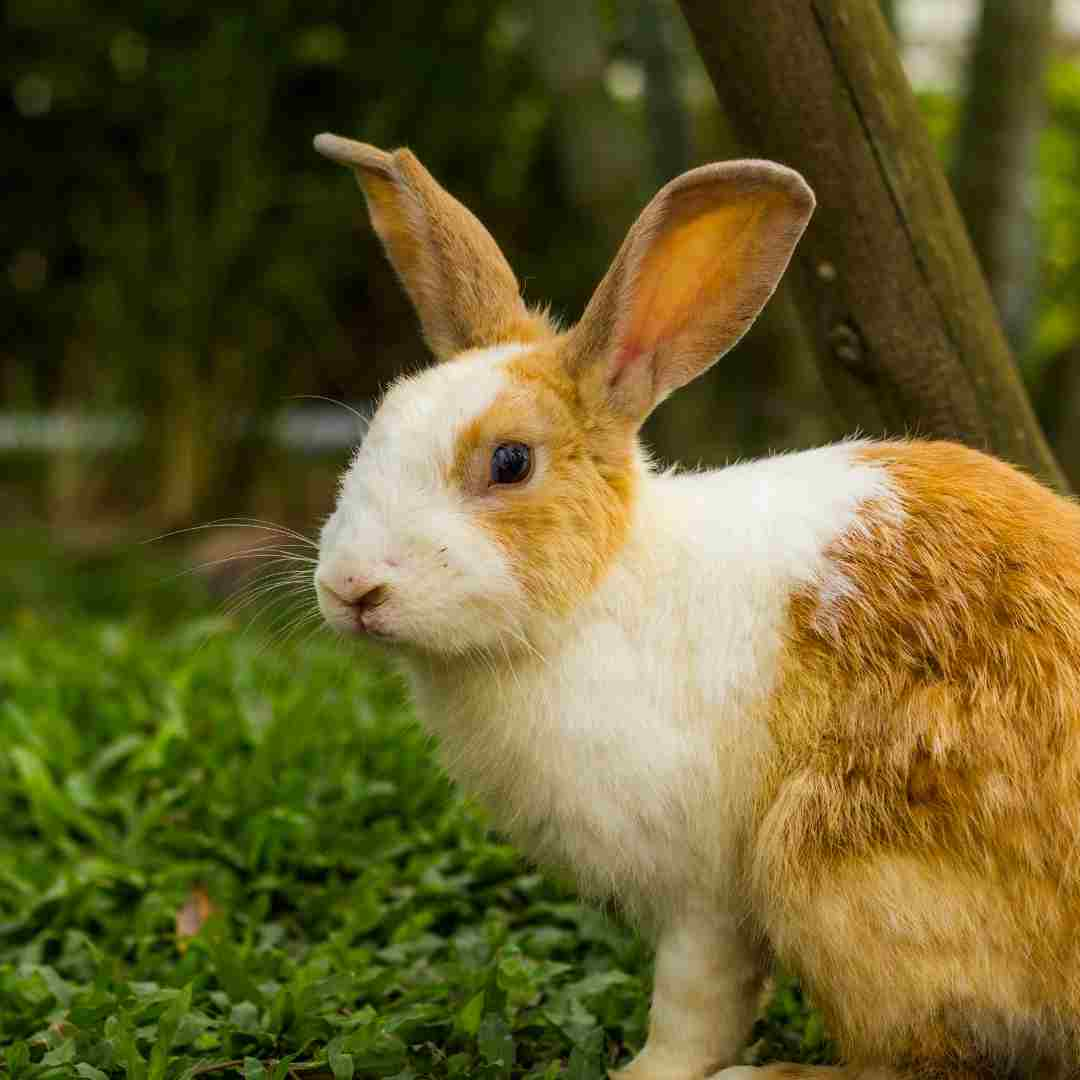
[[40, 574], [1057, 324], [1050, 364], [214, 866], [177, 246], [176, 249], [361, 918], [1058, 327], [162, 180]]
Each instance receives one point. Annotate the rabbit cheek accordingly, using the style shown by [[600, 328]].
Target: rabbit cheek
[[559, 541], [561, 529]]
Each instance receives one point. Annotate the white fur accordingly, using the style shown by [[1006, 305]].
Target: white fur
[[399, 523], [622, 742]]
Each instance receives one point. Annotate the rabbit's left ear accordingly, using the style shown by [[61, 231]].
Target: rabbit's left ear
[[460, 284], [693, 273]]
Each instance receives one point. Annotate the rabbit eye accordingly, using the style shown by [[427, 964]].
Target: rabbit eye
[[511, 463]]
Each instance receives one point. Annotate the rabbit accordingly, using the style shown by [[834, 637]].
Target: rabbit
[[821, 709]]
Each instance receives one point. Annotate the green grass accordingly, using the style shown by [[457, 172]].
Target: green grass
[[364, 920]]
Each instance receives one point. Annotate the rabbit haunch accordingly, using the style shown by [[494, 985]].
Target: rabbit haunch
[[922, 793]]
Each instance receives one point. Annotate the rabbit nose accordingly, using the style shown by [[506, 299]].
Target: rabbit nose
[[368, 598], [362, 595], [358, 593]]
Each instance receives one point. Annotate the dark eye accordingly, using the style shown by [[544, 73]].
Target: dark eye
[[511, 463]]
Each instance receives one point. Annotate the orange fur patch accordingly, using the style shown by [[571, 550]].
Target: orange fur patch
[[562, 528], [457, 278], [916, 855]]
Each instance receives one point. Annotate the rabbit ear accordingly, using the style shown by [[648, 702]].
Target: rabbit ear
[[693, 273], [460, 285]]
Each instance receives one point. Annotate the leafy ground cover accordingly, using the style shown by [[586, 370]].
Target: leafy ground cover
[[224, 857]]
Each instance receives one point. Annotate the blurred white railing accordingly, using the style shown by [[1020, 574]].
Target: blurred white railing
[[304, 428]]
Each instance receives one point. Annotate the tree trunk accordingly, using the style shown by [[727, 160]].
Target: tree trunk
[[994, 162], [888, 9], [898, 313], [1060, 406]]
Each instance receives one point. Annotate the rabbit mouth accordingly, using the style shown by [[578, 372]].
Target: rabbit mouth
[[352, 619], [350, 624]]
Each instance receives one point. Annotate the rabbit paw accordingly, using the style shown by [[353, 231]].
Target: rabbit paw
[[670, 1067]]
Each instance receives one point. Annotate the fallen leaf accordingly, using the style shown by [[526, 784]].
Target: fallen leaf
[[198, 907]]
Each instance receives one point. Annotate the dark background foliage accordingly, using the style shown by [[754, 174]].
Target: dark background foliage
[[179, 262], [179, 259]]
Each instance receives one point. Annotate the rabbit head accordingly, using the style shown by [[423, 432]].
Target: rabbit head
[[499, 484]]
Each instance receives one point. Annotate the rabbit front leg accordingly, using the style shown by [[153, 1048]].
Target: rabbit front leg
[[708, 977]]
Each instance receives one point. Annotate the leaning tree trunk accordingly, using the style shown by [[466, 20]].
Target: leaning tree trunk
[[994, 161], [888, 9], [899, 315]]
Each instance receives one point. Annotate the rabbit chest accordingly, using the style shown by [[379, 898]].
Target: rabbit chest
[[597, 763], [627, 752]]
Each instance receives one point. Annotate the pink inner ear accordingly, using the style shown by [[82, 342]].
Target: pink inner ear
[[684, 271], [628, 354], [696, 268]]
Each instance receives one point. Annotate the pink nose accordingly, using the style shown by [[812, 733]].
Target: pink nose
[[359, 593]]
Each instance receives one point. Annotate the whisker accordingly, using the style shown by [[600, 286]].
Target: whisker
[[304, 620], [320, 625], [522, 640], [283, 554], [293, 621], [237, 523], [278, 619], [261, 588], [266, 572], [277, 583], [365, 420], [253, 553], [273, 526], [509, 661]]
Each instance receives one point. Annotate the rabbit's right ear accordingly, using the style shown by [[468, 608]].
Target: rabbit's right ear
[[460, 284]]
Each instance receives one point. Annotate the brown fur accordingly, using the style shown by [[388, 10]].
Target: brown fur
[[916, 849], [561, 531], [457, 278]]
